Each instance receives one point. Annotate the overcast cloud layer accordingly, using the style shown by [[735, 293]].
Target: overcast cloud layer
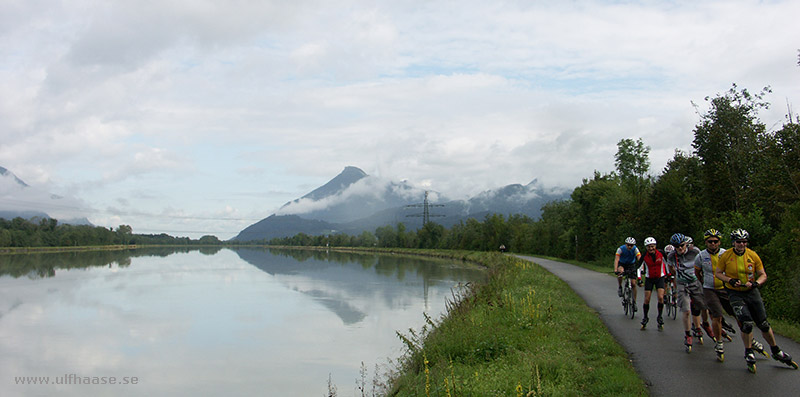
[[202, 117]]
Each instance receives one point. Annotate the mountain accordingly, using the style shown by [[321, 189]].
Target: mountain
[[354, 201], [18, 199], [8, 174], [352, 195]]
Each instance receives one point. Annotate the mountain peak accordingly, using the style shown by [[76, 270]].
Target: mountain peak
[[347, 177], [6, 173]]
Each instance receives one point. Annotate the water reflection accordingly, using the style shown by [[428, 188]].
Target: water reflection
[[338, 280], [244, 322], [41, 265]]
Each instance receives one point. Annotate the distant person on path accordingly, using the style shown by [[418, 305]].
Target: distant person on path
[[655, 272], [625, 260], [690, 291], [743, 272]]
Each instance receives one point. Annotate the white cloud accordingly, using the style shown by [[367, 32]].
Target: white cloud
[[205, 105]]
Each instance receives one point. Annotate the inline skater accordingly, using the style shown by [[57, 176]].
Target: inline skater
[[690, 292], [713, 292], [743, 272], [625, 260], [655, 272]]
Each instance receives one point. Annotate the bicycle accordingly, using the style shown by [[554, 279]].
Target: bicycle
[[671, 299], [628, 305]]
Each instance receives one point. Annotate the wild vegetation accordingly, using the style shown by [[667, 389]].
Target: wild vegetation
[[508, 338]]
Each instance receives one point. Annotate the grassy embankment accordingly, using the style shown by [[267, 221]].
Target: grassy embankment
[[525, 332]]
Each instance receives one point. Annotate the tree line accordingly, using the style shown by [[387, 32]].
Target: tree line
[[47, 232], [738, 175]]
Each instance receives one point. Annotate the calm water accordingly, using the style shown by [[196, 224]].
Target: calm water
[[218, 322]]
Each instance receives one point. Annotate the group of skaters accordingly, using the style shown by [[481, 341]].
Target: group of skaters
[[708, 283]]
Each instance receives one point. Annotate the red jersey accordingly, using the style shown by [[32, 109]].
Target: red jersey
[[655, 266]]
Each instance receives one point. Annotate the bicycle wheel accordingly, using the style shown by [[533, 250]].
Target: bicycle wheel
[[670, 309], [668, 300], [624, 304], [631, 305], [674, 305]]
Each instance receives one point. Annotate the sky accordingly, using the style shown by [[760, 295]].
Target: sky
[[202, 117]]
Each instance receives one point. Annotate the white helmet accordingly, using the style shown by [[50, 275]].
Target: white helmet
[[630, 240], [649, 241]]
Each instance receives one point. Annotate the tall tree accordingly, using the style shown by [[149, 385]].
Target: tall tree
[[726, 142]]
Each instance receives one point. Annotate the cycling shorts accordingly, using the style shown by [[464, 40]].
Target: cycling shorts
[[629, 268], [658, 283]]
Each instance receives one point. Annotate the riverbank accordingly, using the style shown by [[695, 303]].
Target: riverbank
[[47, 250], [525, 332]]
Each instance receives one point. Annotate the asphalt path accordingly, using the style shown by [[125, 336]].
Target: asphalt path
[[659, 356]]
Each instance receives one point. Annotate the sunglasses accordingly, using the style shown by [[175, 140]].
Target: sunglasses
[[712, 241], [740, 241]]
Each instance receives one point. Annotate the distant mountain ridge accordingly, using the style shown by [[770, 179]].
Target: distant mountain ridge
[[15, 200], [353, 202]]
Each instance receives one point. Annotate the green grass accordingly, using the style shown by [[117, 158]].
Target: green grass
[[789, 329], [525, 332]]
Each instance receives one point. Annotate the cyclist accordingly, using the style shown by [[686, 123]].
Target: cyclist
[[625, 259], [690, 291], [743, 272], [655, 271]]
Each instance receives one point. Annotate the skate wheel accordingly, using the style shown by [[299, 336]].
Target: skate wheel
[[793, 365], [721, 358], [751, 368]]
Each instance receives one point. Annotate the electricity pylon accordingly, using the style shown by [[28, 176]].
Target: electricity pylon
[[426, 213]]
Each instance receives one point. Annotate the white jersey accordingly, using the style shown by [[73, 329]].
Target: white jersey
[[704, 262]]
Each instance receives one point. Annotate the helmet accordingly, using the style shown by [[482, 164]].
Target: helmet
[[649, 241], [669, 248], [630, 240], [712, 233], [688, 240], [677, 239], [739, 234]]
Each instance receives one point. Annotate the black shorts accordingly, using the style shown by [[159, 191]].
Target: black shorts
[[658, 283], [628, 268], [748, 305]]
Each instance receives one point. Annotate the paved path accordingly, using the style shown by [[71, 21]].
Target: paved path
[[659, 357]]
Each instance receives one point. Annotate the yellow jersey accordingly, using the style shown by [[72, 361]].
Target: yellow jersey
[[743, 267]]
